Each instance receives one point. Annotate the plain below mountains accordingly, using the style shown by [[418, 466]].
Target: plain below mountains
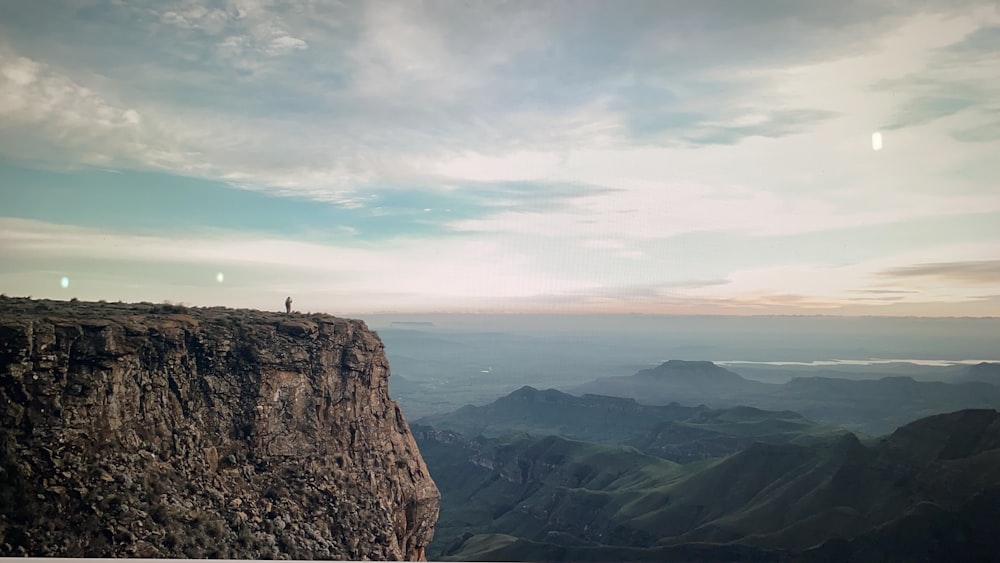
[[929, 491], [870, 406]]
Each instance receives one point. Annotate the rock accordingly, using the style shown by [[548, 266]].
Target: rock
[[144, 549], [125, 430]]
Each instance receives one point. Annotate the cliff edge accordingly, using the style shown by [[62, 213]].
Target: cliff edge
[[161, 431]]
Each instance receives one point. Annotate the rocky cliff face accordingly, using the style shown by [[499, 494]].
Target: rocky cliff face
[[159, 431]]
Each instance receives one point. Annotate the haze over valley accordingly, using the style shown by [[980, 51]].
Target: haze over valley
[[453, 360], [572, 438]]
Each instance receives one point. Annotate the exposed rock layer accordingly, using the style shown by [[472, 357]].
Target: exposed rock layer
[[141, 430]]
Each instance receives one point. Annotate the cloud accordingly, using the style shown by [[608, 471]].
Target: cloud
[[247, 26], [978, 47], [973, 272], [535, 130], [649, 298], [884, 291], [921, 110], [426, 274], [42, 112], [914, 277], [375, 94], [285, 44], [772, 124], [954, 78], [196, 17], [32, 95], [878, 300], [986, 133], [48, 116], [462, 57], [657, 195]]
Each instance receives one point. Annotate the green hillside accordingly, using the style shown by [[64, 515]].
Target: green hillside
[[552, 498], [528, 487]]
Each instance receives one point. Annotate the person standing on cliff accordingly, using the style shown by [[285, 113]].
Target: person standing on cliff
[[288, 305]]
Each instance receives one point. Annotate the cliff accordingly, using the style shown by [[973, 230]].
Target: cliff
[[161, 431]]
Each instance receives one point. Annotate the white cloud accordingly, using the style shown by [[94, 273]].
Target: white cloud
[[40, 105], [306, 100], [46, 116], [662, 192], [416, 72], [835, 286], [455, 274], [30, 94], [825, 179], [401, 54], [521, 165], [285, 44], [195, 16]]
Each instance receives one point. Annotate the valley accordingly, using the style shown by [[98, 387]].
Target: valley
[[750, 493], [563, 448]]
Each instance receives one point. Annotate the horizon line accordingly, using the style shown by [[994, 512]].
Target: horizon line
[[565, 313]]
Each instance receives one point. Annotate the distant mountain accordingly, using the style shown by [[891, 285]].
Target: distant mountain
[[544, 412], [673, 432], [928, 490], [699, 375], [677, 381], [985, 372], [870, 406]]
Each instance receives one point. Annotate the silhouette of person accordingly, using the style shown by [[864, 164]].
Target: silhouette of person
[[288, 305]]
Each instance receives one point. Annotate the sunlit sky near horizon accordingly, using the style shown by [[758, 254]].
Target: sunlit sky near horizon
[[720, 157]]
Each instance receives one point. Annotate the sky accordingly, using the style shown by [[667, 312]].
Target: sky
[[715, 157]]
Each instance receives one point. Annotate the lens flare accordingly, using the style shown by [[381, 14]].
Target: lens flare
[[876, 141]]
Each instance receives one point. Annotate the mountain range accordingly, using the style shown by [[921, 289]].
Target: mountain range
[[690, 460], [869, 406], [928, 488], [674, 432]]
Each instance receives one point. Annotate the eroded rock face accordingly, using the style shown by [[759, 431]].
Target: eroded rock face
[[154, 431]]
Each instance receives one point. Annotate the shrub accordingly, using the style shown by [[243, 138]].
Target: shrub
[[167, 307]]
